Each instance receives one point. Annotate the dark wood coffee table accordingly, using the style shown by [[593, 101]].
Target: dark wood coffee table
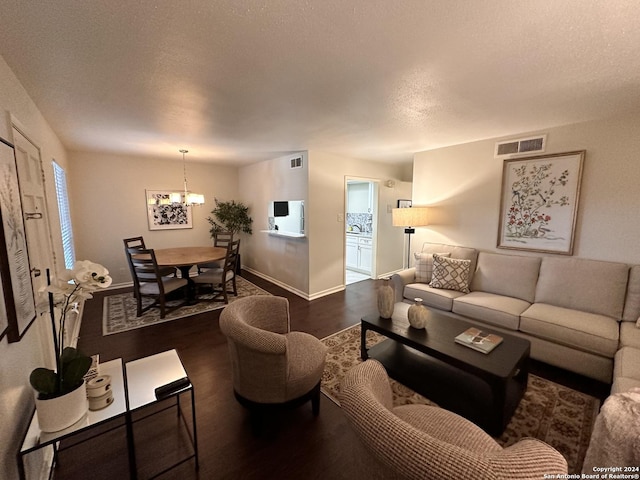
[[485, 388]]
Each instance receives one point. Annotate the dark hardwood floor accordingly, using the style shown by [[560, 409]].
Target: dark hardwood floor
[[293, 445]]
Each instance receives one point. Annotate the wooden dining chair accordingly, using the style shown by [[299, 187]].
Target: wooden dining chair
[[148, 281], [221, 277], [220, 239], [138, 242]]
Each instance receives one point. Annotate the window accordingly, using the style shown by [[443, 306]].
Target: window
[[65, 216]]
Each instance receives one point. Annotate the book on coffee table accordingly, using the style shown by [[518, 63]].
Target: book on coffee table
[[478, 340]]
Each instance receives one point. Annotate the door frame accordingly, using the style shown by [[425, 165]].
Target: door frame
[[375, 183]]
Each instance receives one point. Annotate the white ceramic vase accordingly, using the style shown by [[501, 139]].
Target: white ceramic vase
[[386, 297], [418, 314], [58, 413]]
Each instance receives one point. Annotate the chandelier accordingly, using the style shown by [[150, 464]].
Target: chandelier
[[186, 197]]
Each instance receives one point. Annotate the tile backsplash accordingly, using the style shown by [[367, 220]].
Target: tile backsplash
[[363, 220]]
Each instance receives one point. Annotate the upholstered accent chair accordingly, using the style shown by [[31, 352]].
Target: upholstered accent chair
[[149, 280], [426, 442], [219, 278], [272, 367]]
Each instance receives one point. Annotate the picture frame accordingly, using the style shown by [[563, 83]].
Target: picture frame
[[17, 290], [404, 203], [539, 202], [164, 215]]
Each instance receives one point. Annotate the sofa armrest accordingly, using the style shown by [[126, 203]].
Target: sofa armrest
[[400, 279]]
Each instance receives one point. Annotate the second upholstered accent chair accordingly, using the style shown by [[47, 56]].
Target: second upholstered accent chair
[[427, 442], [271, 365]]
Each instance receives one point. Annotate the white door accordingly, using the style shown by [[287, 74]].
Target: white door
[[36, 218]]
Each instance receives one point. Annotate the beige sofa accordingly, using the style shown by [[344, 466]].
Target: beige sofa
[[579, 314]]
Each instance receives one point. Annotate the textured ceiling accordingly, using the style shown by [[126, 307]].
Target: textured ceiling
[[240, 81]]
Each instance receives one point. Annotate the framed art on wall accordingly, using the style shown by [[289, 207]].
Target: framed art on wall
[[162, 214], [539, 202], [19, 302]]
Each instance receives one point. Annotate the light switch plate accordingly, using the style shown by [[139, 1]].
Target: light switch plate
[[340, 217]]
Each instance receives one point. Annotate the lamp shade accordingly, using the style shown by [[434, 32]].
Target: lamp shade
[[410, 217]]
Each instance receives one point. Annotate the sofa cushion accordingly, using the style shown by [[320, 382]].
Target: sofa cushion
[[627, 363], [463, 253], [424, 266], [632, 302], [629, 335], [587, 285], [494, 309], [510, 275], [585, 331], [431, 297], [624, 384], [450, 273]]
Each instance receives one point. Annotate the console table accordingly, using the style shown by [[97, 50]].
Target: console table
[[134, 391], [143, 377], [35, 439]]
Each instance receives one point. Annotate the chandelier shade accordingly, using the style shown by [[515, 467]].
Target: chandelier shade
[[186, 197]]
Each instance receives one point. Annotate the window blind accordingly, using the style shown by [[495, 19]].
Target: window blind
[[65, 216]]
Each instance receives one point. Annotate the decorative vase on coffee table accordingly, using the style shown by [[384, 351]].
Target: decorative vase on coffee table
[[418, 314], [386, 297], [58, 413]]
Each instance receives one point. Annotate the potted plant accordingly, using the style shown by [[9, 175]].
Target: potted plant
[[61, 394], [230, 217]]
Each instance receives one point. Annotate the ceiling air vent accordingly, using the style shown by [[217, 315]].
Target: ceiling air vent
[[513, 148], [296, 162]]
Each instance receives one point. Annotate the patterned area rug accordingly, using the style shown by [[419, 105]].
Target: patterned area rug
[[119, 311], [558, 415]]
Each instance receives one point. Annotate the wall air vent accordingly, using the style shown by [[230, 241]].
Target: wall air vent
[[296, 162], [521, 146]]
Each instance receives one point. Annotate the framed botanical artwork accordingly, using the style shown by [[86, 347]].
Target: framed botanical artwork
[[404, 203], [162, 214], [17, 290], [539, 202]]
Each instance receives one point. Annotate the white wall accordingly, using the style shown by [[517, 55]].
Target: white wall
[[108, 203], [327, 175], [463, 182], [19, 359], [314, 266], [285, 260]]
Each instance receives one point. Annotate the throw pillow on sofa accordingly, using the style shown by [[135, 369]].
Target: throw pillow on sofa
[[424, 266], [450, 273]]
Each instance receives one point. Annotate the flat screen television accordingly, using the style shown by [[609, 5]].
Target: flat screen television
[[280, 209]]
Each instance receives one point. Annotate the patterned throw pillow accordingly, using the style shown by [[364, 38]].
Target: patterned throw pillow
[[424, 266], [450, 273]]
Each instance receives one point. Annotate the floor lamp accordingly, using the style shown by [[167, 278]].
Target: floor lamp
[[409, 218]]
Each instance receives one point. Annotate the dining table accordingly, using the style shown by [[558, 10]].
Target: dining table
[[184, 258]]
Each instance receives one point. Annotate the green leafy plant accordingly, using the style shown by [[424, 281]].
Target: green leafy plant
[[230, 217], [65, 294]]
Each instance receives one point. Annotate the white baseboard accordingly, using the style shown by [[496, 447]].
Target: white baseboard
[[277, 282], [291, 289]]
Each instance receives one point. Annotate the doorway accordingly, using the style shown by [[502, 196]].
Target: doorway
[[361, 219]]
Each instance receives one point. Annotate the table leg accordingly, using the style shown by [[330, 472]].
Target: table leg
[[363, 343], [195, 431], [191, 286]]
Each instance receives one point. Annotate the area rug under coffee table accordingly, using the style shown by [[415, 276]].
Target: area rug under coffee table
[[119, 311], [555, 414]]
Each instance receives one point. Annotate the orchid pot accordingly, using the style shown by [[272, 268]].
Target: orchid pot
[[61, 393]]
